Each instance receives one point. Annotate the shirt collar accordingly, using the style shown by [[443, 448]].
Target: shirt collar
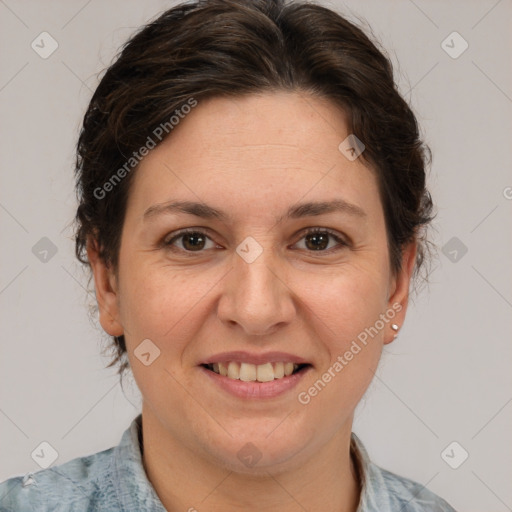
[[135, 491], [374, 495]]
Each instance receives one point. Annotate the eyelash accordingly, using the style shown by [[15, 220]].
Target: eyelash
[[312, 231]]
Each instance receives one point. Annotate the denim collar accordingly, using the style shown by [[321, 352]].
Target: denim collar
[[374, 495], [134, 490]]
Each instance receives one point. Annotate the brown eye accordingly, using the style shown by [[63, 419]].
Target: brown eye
[[319, 239], [191, 241]]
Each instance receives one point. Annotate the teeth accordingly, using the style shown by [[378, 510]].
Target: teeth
[[264, 372], [223, 369], [250, 372], [247, 372], [288, 368], [278, 370], [233, 370]]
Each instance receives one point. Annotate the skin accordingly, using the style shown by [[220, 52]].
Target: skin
[[252, 157]]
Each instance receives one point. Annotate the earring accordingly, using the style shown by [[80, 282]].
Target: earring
[[395, 328]]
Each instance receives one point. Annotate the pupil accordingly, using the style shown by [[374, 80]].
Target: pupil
[[320, 240], [193, 236]]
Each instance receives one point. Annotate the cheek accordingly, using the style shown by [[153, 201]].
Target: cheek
[[346, 314], [159, 302], [346, 302], [164, 306]]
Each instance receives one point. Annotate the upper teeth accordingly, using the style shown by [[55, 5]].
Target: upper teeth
[[252, 372]]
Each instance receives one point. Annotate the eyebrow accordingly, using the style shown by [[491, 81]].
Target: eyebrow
[[204, 211]]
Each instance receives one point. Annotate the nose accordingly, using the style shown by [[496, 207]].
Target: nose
[[256, 296]]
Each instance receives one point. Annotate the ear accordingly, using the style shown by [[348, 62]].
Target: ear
[[399, 291], [106, 291]]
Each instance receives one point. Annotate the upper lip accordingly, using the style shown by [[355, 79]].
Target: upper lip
[[254, 358]]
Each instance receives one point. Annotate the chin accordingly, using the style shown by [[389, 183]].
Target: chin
[[259, 452]]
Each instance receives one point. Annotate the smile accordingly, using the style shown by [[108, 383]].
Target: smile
[[248, 372]]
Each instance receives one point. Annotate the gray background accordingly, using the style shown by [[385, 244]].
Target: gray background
[[446, 378]]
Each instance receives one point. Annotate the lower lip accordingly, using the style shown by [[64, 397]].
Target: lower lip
[[256, 390]]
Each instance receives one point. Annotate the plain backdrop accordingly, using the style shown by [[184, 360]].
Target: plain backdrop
[[448, 375]]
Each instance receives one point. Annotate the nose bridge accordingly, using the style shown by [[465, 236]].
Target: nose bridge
[[256, 296]]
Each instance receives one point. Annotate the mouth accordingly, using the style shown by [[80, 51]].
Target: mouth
[[247, 372]]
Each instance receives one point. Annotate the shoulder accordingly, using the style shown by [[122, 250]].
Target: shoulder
[[410, 496], [77, 485]]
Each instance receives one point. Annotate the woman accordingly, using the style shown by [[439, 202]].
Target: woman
[[252, 205]]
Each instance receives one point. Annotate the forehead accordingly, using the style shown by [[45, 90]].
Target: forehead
[[279, 128], [265, 151]]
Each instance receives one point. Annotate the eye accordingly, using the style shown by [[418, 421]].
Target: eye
[[195, 240], [317, 240], [192, 240]]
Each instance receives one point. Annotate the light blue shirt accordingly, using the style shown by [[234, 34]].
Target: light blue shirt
[[115, 480]]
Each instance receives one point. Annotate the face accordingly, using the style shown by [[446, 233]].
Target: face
[[254, 278]]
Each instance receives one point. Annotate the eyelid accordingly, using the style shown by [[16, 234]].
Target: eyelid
[[168, 241], [185, 231], [341, 240], [338, 237]]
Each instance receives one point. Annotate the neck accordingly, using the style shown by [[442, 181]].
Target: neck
[[186, 480]]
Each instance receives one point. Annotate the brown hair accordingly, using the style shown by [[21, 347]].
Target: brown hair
[[209, 48]]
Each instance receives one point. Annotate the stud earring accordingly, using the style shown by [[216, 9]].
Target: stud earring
[[395, 328]]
